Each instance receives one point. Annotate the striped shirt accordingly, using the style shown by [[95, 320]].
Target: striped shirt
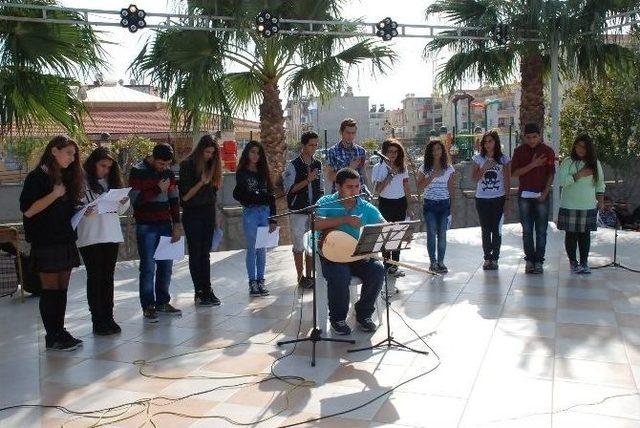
[[438, 189], [150, 204], [340, 156]]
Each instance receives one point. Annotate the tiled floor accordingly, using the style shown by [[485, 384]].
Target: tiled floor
[[511, 350]]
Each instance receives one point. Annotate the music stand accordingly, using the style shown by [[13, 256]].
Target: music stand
[[614, 263], [388, 237]]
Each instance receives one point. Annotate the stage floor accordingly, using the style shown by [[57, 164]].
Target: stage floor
[[515, 350]]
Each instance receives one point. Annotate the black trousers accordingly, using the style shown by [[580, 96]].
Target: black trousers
[[490, 212], [100, 262], [573, 240], [393, 210], [199, 225]]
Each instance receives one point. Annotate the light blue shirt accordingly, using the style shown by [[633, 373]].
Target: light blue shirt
[[367, 212]]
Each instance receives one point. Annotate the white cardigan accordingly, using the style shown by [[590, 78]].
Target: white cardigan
[[100, 228]]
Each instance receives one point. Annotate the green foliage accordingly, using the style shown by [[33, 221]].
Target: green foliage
[[27, 150], [370, 144], [39, 67], [131, 150]]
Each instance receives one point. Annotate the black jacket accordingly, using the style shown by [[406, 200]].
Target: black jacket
[[205, 197], [251, 190]]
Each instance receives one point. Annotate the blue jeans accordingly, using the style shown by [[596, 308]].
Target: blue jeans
[[534, 214], [252, 218], [338, 276], [436, 213], [148, 237]]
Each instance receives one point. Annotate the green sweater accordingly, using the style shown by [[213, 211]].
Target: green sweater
[[581, 194]]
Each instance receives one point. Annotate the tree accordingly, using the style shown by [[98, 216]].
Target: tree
[[609, 112], [576, 25], [38, 69], [26, 149], [207, 73]]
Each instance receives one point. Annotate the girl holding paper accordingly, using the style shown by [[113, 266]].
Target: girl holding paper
[[99, 236], [49, 198], [200, 179], [437, 177], [492, 174], [582, 182], [254, 191]]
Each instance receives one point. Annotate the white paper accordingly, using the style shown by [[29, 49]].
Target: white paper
[[530, 195], [75, 220], [115, 195], [264, 239], [169, 251], [500, 224], [105, 206], [449, 222]]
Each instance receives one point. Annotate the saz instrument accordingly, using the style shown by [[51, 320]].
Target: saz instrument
[[338, 247]]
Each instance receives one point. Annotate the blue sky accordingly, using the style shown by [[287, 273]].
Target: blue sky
[[409, 74]]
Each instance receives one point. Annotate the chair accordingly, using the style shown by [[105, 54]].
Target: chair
[[322, 299], [10, 235]]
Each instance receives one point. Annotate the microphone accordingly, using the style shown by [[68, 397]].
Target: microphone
[[375, 152], [366, 194]]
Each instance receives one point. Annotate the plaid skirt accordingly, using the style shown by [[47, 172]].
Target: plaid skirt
[[577, 220], [50, 258]]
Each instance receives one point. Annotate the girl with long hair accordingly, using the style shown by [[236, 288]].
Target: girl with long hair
[[49, 198], [200, 179], [99, 237], [492, 174], [391, 182], [254, 191], [582, 182], [437, 177]]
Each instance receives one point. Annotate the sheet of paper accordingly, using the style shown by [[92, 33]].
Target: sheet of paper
[[500, 224], [264, 239], [169, 251], [529, 195], [449, 222], [116, 194], [106, 206], [75, 220]]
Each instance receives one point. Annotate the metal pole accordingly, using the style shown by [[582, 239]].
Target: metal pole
[[486, 118], [555, 117], [510, 130], [469, 116]]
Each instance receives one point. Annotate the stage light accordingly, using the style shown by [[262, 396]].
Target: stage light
[[387, 29], [267, 24], [133, 18]]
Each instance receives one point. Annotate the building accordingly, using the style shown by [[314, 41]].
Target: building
[[420, 116], [327, 115]]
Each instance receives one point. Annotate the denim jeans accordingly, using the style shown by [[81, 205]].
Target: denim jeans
[[338, 276], [199, 225], [490, 212], [436, 213], [252, 218], [148, 237], [534, 214]]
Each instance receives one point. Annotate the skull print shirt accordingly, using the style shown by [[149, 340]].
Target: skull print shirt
[[491, 184]]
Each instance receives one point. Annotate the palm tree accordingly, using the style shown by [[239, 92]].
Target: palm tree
[[39, 65], [575, 26], [229, 72]]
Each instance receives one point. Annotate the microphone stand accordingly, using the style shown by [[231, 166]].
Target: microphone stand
[[316, 333]]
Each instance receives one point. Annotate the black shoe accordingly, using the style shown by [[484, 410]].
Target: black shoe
[[253, 289], [169, 309], [442, 268], [101, 329], [263, 291], [113, 326], [538, 268], [203, 299], [367, 325], [67, 336], [486, 265], [392, 270], [214, 299], [494, 265], [60, 342], [341, 328], [150, 315]]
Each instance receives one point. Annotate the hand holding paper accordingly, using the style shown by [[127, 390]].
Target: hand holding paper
[[264, 239], [169, 251]]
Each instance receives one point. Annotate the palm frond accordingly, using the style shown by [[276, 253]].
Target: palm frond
[[29, 100], [496, 66]]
